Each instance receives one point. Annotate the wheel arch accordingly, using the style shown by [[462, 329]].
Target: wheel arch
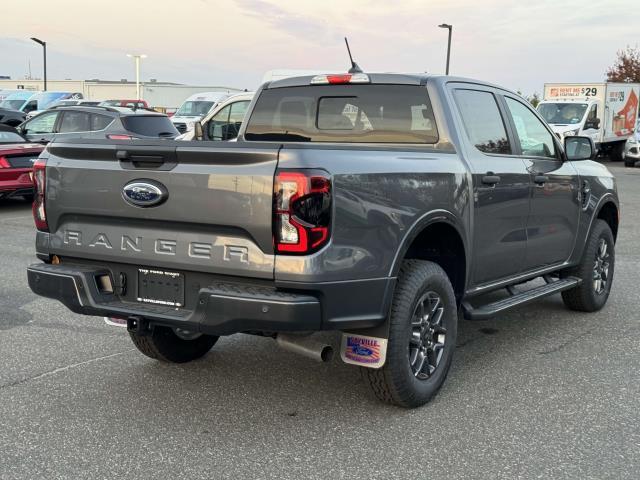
[[610, 213], [437, 237]]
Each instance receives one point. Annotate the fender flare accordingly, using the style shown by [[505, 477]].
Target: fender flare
[[579, 247], [429, 218]]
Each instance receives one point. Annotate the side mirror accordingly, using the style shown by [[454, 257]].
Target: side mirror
[[198, 132], [579, 148]]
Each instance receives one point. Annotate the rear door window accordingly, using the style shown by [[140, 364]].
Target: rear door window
[[344, 113], [150, 125], [100, 122], [74, 122], [482, 121]]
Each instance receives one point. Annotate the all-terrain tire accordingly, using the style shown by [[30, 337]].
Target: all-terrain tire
[[164, 345], [396, 383], [585, 297]]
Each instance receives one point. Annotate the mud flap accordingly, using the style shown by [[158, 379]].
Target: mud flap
[[363, 350], [367, 347]]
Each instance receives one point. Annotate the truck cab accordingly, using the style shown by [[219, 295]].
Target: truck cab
[[195, 108], [223, 122], [572, 117], [604, 112]]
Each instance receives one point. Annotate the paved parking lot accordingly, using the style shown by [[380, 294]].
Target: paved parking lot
[[540, 392]]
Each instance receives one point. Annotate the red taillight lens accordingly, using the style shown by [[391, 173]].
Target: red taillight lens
[[119, 137], [4, 163], [337, 79], [340, 79], [40, 184], [302, 211]]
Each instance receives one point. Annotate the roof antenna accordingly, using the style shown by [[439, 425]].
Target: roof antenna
[[355, 68]]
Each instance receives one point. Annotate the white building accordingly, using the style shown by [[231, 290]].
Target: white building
[[160, 95]]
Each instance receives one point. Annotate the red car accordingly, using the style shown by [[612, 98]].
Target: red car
[[17, 156], [125, 103]]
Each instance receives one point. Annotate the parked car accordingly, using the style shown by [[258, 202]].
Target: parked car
[[125, 103], [194, 108], [224, 121], [17, 156], [23, 100], [456, 189], [11, 117], [97, 122], [632, 147], [65, 103]]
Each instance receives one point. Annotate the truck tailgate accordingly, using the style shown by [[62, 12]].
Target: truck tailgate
[[216, 217]]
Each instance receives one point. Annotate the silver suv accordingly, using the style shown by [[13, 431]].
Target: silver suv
[[97, 122]]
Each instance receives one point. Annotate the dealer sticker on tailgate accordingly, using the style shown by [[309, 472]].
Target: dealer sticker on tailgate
[[160, 287]]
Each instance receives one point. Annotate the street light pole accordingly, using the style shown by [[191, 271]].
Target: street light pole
[[450, 28], [44, 50], [137, 60]]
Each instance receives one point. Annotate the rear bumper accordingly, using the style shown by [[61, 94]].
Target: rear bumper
[[224, 308], [15, 182]]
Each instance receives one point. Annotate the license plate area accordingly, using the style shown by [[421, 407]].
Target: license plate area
[[160, 287]]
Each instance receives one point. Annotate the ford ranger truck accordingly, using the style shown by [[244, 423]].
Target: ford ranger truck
[[383, 206]]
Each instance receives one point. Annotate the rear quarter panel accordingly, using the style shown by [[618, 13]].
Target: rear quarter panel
[[381, 196]]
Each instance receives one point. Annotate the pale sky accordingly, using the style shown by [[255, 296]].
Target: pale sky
[[519, 45]]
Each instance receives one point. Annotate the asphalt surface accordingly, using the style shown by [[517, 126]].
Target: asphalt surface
[[540, 392]]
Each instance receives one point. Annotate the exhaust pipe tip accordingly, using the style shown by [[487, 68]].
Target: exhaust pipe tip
[[326, 354], [306, 346]]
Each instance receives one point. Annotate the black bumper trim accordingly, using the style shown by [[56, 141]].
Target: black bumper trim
[[222, 309]]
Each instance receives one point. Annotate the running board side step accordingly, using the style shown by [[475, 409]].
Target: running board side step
[[515, 299]]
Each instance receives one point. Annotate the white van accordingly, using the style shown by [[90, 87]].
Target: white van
[[224, 121], [195, 108]]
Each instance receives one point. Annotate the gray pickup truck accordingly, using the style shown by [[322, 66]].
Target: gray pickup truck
[[384, 206]]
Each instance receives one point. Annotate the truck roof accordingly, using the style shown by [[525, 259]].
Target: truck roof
[[384, 78]]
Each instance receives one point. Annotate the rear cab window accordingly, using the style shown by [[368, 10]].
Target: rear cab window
[[344, 113], [149, 125]]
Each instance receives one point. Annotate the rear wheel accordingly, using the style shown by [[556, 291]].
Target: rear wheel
[[595, 270], [422, 337], [173, 345]]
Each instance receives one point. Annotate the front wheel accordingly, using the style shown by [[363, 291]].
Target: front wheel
[[175, 346], [422, 337], [595, 270]]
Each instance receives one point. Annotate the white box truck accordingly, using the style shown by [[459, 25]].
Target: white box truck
[[606, 112]]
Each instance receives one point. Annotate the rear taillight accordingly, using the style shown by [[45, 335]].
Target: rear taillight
[[301, 211], [39, 185], [113, 136], [4, 163]]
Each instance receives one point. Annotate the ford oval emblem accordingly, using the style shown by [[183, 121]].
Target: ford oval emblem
[[144, 193]]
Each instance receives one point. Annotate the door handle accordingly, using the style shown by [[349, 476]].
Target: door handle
[[125, 156], [541, 179], [490, 179]]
